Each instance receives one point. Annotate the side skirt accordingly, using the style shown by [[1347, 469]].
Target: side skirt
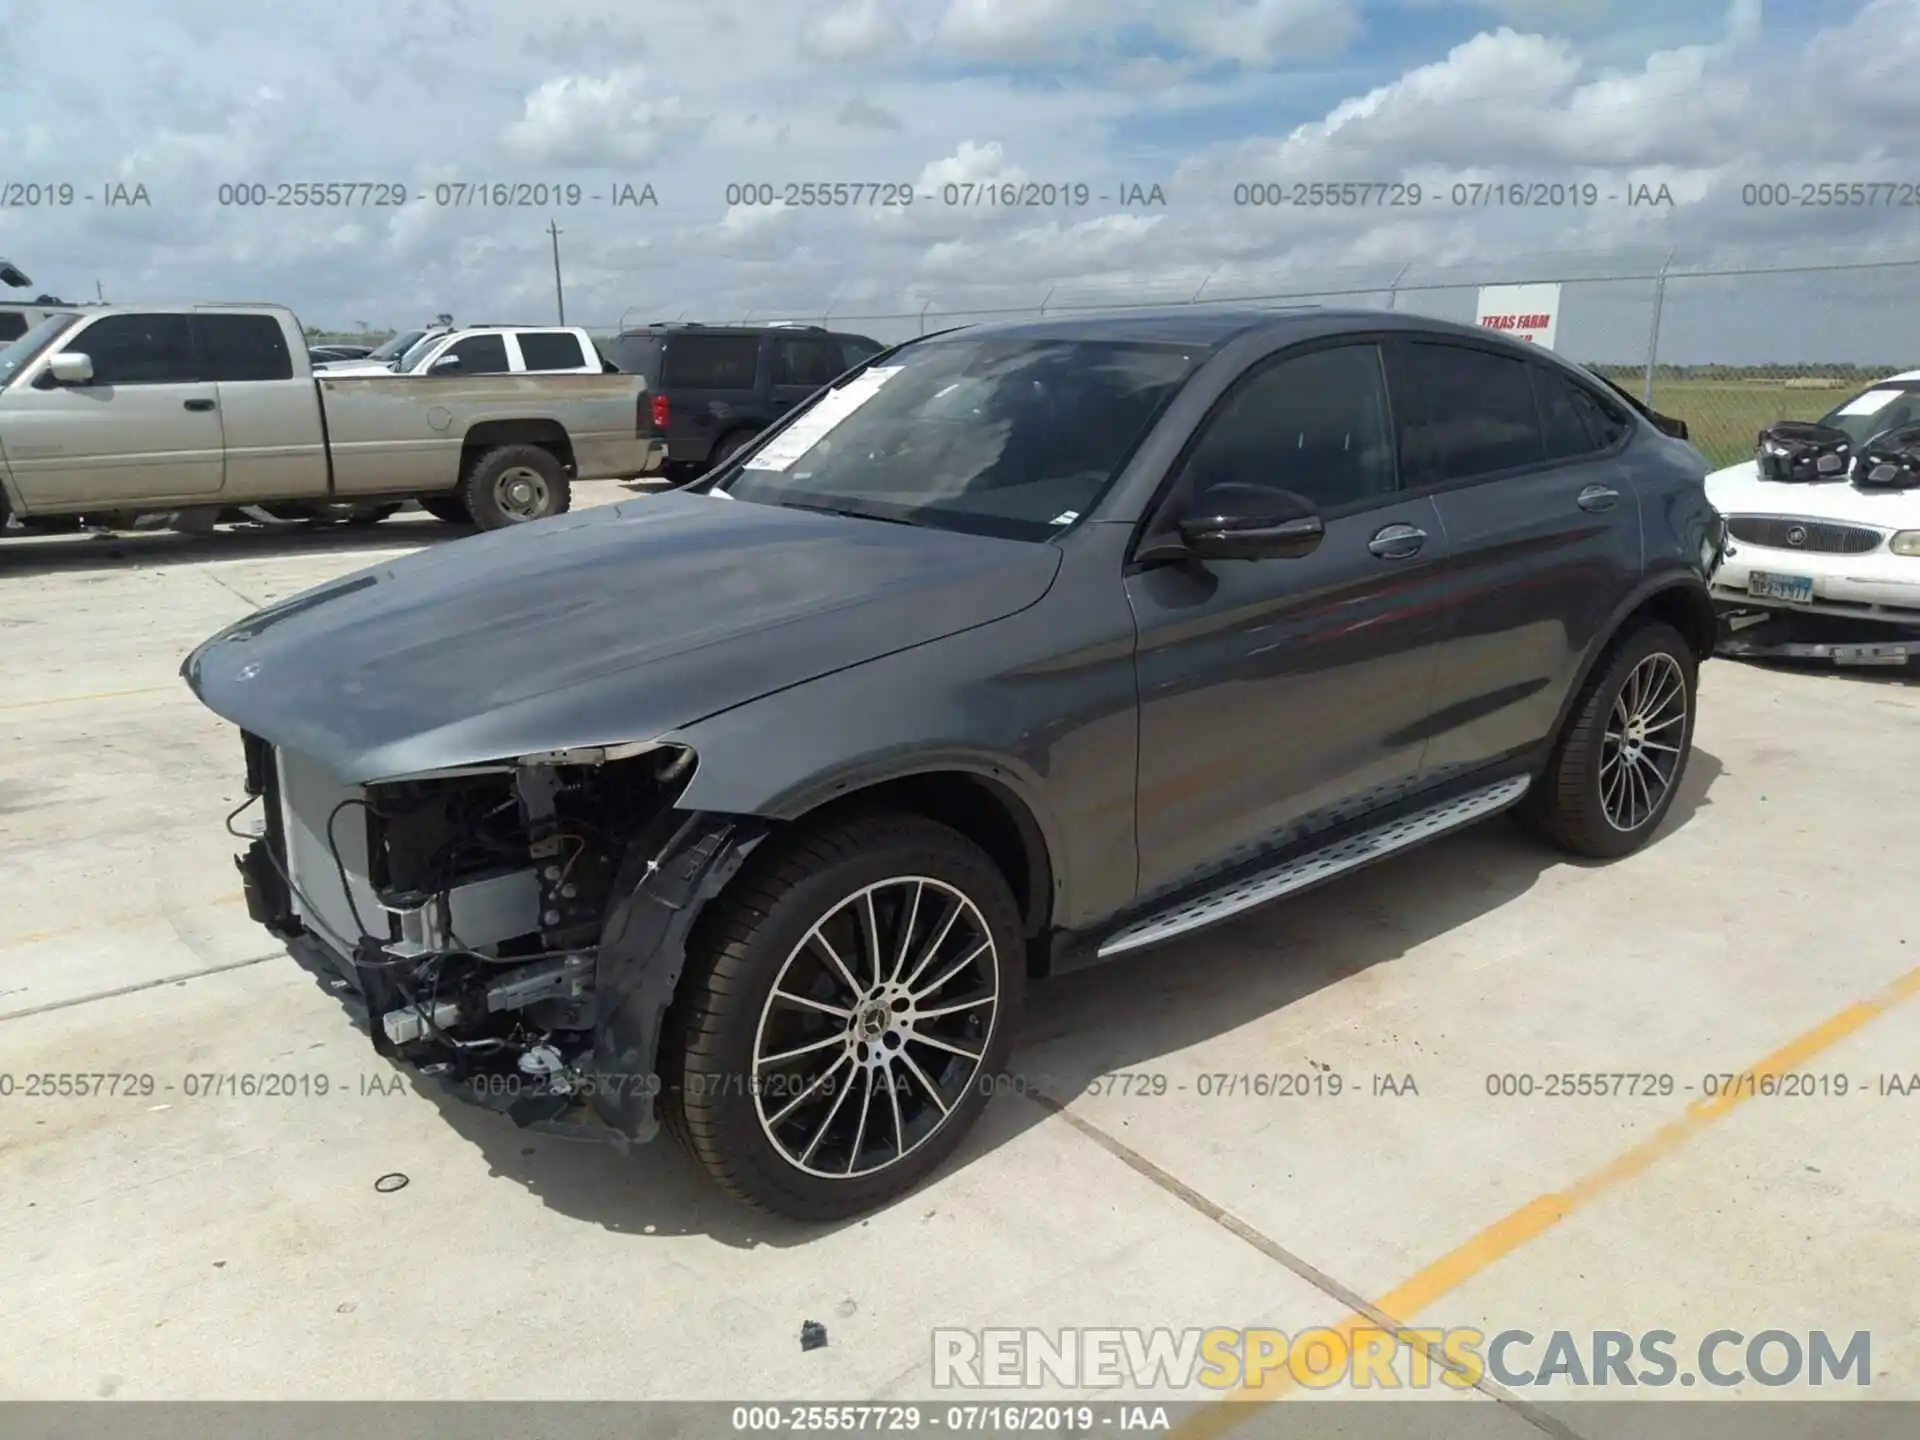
[[1302, 871]]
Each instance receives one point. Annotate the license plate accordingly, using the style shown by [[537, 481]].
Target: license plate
[[1779, 587]]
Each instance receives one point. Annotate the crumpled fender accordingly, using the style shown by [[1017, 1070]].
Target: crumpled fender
[[663, 885]]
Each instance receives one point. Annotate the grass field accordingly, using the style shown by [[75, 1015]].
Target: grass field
[[1722, 415]]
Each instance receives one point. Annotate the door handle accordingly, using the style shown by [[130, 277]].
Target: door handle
[[1397, 542], [1597, 497], [199, 404]]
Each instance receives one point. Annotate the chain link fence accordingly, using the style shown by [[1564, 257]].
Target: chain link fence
[[1727, 348]]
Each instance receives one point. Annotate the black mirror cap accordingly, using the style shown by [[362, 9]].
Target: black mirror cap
[[1667, 425], [1252, 537]]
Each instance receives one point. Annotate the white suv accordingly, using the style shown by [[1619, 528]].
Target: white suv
[[501, 350]]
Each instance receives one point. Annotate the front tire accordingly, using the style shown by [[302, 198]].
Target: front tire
[[513, 484], [844, 1015], [1623, 755]]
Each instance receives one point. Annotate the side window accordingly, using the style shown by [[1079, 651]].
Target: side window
[[1314, 424], [1567, 432], [479, 355], [711, 362], [139, 350], [1471, 413], [243, 347], [857, 349], [806, 362], [551, 350], [1607, 424], [12, 325]]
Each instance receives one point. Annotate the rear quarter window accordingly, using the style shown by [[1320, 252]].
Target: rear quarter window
[[12, 325]]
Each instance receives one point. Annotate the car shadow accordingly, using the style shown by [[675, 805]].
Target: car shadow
[[1120, 1016], [23, 555]]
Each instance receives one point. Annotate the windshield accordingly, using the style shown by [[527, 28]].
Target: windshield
[[15, 356], [1008, 437], [397, 345], [410, 361], [1876, 411]]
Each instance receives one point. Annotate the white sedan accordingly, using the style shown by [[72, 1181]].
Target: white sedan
[[1826, 548]]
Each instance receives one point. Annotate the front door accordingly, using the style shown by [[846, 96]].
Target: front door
[[1280, 695], [144, 431], [801, 364]]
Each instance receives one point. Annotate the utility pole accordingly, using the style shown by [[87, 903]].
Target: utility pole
[[1653, 333], [559, 295], [99, 294]]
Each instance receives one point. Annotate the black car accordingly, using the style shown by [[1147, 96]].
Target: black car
[[751, 807], [715, 387]]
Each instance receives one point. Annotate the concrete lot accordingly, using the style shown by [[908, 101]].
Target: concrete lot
[[169, 1246]]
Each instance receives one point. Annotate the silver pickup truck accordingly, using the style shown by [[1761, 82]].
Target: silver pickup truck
[[191, 414]]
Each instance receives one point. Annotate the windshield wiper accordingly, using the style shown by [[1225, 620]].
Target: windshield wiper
[[845, 511]]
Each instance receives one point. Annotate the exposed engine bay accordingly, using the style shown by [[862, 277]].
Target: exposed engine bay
[[466, 908]]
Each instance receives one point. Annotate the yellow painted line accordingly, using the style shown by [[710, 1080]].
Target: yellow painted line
[[1541, 1214], [96, 695]]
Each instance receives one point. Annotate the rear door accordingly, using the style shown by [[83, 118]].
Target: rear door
[[145, 430], [270, 420], [478, 355], [712, 386], [1543, 533], [551, 352]]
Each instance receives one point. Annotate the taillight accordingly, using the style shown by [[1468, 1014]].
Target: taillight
[[659, 412]]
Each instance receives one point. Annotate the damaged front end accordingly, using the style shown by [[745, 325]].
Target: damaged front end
[[515, 930]]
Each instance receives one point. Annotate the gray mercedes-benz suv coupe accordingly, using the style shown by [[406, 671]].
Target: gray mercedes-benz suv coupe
[[751, 807]]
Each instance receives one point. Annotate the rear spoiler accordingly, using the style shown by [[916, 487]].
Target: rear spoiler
[[12, 274], [1665, 424]]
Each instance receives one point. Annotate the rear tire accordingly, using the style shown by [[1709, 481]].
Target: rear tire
[[728, 446], [449, 508], [513, 484], [1624, 751], [903, 942]]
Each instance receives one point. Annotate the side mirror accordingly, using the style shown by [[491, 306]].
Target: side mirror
[[1244, 522], [71, 368], [1667, 425], [445, 365], [1252, 537]]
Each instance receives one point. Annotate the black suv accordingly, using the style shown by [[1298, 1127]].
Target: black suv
[[715, 387], [751, 807]]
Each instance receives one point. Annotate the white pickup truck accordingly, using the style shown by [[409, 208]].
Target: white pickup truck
[[122, 414]]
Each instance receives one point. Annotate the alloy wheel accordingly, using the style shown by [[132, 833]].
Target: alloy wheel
[[875, 1026], [1640, 752]]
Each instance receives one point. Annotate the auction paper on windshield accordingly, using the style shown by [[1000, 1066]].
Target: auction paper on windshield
[[811, 428]]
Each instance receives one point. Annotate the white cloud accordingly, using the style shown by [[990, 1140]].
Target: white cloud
[[1009, 29], [1264, 32], [853, 30], [589, 120]]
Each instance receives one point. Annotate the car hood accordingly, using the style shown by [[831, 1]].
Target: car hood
[[1739, 490], [606, 626]]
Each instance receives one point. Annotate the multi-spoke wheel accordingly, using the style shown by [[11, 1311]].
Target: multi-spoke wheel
[[1614, 773], [844, 1017]]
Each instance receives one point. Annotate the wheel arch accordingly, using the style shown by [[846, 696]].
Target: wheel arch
[[490, 435], [1679, 599], [980, 805]]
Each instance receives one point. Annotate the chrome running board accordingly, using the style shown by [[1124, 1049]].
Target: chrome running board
[[1318, 865]]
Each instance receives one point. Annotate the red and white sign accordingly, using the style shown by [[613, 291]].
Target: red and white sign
[[1526, 312]]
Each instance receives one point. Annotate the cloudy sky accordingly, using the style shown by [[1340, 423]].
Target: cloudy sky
[[1083, 106]]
